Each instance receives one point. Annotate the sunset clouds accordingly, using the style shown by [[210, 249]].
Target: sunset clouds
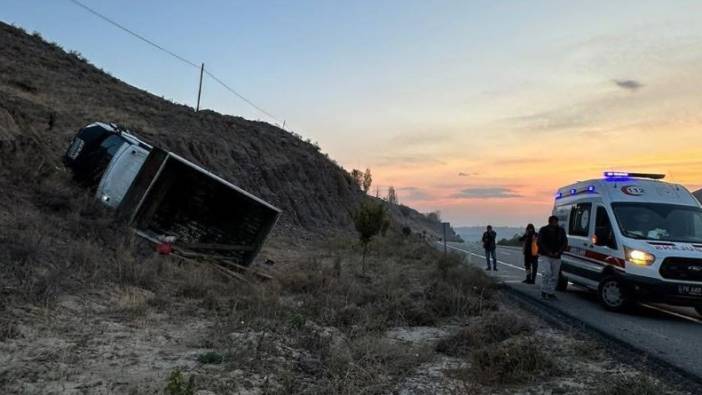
[[507, 150]]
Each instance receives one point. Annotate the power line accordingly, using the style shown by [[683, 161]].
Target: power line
[[175, 55], [227, 87], [137, 35]]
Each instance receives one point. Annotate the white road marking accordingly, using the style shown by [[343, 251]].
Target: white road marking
[[660, 309], [676, 314], [483, 256]]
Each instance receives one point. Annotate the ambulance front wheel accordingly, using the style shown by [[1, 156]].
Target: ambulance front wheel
[[613, 294], [562, 284]]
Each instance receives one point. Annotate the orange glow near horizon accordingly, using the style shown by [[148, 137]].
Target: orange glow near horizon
[[516, 185]]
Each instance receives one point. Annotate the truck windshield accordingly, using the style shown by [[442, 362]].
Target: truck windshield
[[654, 221]]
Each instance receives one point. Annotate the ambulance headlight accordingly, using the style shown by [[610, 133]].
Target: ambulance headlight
[[638, 257], [105, 198]]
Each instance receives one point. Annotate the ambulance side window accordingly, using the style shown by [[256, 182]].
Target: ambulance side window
[[604, 235], [580, 220]]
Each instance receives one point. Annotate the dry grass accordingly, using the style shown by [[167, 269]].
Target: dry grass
[[489, 329], [632, 384], [399, 289], [516, 360]]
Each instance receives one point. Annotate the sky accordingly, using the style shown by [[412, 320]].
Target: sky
[[478, 109]]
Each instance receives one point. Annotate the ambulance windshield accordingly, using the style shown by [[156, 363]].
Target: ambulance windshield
[[665, 222]]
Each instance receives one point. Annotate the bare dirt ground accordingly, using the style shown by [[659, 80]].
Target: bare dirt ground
[[408, 326]]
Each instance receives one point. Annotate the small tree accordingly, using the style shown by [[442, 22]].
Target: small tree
[[406, 231], [367, 180], [357, 176], [434, 216], [369, 221], [392, 196]]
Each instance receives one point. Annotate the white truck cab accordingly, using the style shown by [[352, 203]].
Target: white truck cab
[[632, 237], [121, 172]]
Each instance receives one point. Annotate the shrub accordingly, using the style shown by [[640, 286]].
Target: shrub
[[211, 357], [369, 220], [489, 329], [176, 384], [637, 384], [462, 291], [8, 330], [518, 360], [296, 320]]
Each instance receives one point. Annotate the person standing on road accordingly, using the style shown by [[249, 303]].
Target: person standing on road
[[531, 254], [552, 241], [490, 245]]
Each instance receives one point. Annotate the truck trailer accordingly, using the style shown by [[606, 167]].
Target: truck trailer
[[165, 197]]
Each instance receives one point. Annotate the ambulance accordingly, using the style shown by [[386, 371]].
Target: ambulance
[[632, 238]]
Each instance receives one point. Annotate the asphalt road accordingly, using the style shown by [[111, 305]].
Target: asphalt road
[[671, 333]]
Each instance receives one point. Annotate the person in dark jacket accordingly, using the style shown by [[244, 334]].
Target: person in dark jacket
[[490, 246], [531, 259], [552, 241]]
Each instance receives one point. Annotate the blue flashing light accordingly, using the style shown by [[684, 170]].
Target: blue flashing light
[[573, 191], [591, 188], [559, 195]]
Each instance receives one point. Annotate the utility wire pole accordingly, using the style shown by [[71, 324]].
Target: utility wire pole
[[445, 225], [199, 89]]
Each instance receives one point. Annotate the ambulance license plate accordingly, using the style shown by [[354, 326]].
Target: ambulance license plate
[[690, 290]]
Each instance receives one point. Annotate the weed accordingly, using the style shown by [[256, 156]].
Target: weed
[[517, 360], [636, 384], [8, 330], [176, 384], [211, 357], [489, 329], [296, 320]]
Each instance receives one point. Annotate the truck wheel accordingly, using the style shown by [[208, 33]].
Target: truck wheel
[[613, 294], [562, 282]]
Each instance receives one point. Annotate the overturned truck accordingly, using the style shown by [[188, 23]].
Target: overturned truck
[[165, 197]]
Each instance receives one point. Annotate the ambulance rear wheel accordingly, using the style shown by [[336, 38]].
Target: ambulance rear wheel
[[562, 284], [613, 294]]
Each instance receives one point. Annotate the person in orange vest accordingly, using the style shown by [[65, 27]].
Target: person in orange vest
[[531, 253]]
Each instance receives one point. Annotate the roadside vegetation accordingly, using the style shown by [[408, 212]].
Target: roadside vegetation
[[324, 324]]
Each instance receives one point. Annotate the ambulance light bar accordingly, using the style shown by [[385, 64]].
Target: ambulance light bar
[[623, 174], [574, 191]]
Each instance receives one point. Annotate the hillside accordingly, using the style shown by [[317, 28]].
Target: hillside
[[47, 95]]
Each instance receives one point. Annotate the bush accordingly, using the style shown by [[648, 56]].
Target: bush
[[211, 357], [461, 291], [518, 360], [177, 386], [489, 329], [638, 384]]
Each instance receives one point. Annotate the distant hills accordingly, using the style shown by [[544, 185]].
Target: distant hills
[[475, 233]]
